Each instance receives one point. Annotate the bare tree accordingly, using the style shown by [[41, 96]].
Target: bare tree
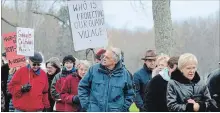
[[164, 41]]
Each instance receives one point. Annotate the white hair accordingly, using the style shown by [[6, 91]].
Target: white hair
[[116, 54], [86, 63], [186, 58]]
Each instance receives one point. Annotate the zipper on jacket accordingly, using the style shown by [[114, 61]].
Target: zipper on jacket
[[109, 77], [193, 86]]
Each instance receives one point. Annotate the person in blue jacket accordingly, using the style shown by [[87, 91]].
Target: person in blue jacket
[[107, 86], [143, 76]]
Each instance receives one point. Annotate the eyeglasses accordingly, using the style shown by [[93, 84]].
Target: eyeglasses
[[36, 64]]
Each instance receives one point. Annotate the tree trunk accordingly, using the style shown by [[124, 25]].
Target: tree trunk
[[164, 41], [28, 15]]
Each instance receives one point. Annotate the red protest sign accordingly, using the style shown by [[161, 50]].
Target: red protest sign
[[14, 60]]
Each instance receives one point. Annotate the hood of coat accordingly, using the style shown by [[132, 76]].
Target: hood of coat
[[118, 69], [177, 75]]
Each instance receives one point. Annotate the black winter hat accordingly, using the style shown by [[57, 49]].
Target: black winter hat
[[37, 58], [67, 58]]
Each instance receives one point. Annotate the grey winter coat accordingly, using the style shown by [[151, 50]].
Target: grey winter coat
[[180, 89]]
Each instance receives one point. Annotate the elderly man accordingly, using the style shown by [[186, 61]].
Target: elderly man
[[29, 87], [143, 76], [107, 86]]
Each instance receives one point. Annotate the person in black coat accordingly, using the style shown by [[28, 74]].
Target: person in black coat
[[4, 78], [185, 90], [213, 84], [155, 94], [53, 67]]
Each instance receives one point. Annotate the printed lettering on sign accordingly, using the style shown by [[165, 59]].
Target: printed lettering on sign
[[25, 41], [14, 60], [88, 24]]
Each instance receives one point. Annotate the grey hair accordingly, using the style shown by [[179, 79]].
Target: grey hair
[[116, 54], [86, 63]]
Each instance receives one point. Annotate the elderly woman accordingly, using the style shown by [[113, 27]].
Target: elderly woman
[[161, 63], [185, 91], [69, 91]]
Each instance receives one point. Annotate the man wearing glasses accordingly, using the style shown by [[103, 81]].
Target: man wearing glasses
[[29, 87], [107, 86]]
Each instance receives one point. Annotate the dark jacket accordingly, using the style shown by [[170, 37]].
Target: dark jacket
[[56, 86], [141, 79], [155, 99], [11, 106], [37, 98], [50, 79], [213, 83], [4, 77], [102, 90], [180, 89], [2, 101], [68, 91]]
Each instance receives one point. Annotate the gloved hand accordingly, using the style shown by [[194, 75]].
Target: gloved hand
[[26, 88], [75, 99], [9, 95], [47, 110]]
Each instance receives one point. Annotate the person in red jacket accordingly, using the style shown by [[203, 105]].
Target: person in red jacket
[[99, 54], [58, 81], [69, 91], [29, 87]]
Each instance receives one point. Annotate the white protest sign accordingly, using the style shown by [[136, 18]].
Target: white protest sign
[[25, 41], [87, 23]]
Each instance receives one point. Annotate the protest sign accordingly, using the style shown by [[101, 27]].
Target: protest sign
[[14, 60], [88, 25], [25, 41]]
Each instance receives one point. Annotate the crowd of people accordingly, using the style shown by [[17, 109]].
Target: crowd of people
[[164, 83]]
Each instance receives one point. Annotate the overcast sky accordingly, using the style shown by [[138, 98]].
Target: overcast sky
[[127, 14]]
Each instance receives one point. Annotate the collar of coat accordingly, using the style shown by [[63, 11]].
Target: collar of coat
[[118, 69], [147, 69], [75, 74], [36, 72], [65, 72], [50, 77], [177, 75]]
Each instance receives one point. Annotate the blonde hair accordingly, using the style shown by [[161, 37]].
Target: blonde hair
[[86, 63], [186, 58], [162, 57]]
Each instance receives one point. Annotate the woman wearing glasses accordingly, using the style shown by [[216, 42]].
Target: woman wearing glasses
[[53, 67], [185, 90], [69, 91]]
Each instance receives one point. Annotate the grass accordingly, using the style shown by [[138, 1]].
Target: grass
[[133, 108]]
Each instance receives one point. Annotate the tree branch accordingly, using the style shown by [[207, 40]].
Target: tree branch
[[35, 12], [6, 21], [3, 2]]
